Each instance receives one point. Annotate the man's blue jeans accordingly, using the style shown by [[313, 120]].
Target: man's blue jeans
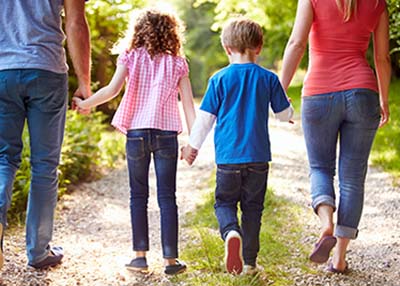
[[352, 116], [245, 184], [40, 98], [141, 143]]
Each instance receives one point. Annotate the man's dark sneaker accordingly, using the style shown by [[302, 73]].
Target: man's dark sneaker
[[53, 258]]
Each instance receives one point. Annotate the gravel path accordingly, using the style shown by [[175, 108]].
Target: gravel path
[[93, 225]]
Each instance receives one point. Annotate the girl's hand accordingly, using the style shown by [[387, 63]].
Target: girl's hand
[[76, 105], [189, 154]]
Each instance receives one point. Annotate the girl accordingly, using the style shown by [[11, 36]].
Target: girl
[[155, 72]]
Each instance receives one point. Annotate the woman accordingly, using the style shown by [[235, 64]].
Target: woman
[[343, 101]]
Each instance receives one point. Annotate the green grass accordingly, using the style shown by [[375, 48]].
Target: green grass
[[386, 148], [294, 92], [280, 247]]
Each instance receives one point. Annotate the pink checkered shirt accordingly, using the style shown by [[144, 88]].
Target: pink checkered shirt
[[151, 93]]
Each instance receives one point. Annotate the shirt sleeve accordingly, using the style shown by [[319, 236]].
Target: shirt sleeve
[[211, 101], [123, 58], [285, 115], [201, 127], [279, 100], [182, 67]]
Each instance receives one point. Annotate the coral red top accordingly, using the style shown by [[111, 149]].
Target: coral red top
[[337, 49]]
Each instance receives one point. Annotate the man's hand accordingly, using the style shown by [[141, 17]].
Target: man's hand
[[76, 103]]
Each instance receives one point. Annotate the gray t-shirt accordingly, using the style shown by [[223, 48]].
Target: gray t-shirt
[[31, 36]]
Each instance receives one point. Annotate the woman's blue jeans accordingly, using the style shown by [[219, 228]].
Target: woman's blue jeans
[[245, 184], [140, 145], [40, 98], [350, 117]]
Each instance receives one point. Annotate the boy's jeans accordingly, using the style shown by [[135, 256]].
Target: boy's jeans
[[141, 143], [40, 97], [245, 184], [353, 116]]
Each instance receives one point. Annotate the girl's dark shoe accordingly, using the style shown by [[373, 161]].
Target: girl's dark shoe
[[177, 268], [138, 264]]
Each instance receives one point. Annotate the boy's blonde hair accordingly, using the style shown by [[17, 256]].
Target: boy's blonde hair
[[241, 34]]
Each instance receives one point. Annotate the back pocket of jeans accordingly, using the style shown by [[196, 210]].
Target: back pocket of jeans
[[167, 145], [135, 148], [261, 169], [51, 93], [367, 104], [316, 108]]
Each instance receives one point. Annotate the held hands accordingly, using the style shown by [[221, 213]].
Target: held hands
[[77, 105], [189, 154], [79, 95]]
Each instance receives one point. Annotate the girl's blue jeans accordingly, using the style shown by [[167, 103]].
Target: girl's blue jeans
[[40, 98], [349, 119], [163, 145], [243, 184]]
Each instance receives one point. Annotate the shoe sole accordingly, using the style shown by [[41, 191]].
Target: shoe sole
[[322, 250], [233, 252], [1, 250], [137, 269]]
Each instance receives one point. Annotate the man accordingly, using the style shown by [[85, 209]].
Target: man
[[33, 87]]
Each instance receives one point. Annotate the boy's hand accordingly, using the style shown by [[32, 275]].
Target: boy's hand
[[189, 154]]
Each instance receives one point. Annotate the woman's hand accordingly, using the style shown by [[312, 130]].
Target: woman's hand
[[385, 113]]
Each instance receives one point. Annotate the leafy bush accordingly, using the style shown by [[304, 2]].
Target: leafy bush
[[386, 148], [88, 147]]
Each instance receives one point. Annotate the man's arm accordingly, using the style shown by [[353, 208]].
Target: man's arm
[[78, 42]]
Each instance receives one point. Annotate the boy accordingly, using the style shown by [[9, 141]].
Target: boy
[[238, 99]]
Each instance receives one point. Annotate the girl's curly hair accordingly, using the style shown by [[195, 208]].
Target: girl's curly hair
[[158, 33]]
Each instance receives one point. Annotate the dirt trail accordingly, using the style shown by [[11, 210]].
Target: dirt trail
[[93, 225]]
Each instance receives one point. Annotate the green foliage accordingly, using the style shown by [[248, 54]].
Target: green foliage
[[87, 148], [202, 48], [394, 20], [294, 93], [276, 19], [386, 148], [80, 152], [108, 21], [280, 248]]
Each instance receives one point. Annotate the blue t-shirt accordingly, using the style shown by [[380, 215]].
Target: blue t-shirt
[[239, 96], [31, 35]]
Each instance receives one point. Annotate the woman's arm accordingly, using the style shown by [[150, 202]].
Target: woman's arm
[[106, 93], [185, 91], [382, 64], [297, 42]]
